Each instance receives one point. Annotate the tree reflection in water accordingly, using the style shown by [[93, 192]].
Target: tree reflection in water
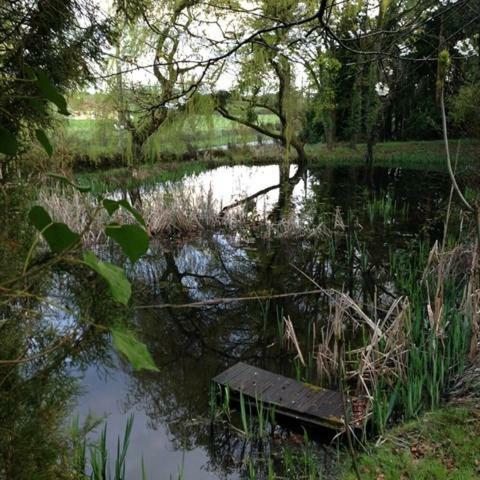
[[191, 345]]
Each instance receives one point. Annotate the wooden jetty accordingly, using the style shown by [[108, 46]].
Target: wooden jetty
[[291, 398]]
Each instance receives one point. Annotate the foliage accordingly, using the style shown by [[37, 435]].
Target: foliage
[[465, 111], [134, 242], [91, 458], [36, 38], [66, 245]]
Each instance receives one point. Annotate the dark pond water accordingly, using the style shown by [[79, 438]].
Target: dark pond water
[[386, 210]]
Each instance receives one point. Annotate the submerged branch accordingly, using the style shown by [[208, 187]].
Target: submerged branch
[[218, 301]]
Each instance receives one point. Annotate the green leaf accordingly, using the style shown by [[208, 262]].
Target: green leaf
[[111, 206], [38, 105], [132, 238], [134, 212], [80, 188], [51, 93], [44, 141], [114, 276], [58, 235], [8, 142], [39, 217], [135, 351]]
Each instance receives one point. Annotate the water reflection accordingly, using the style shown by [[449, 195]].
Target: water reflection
[[376, 214], [37, 396], [192, 345]]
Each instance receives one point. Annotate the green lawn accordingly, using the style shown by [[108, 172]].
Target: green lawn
[[99, 137], [444, 444], [400, 154], [99, 140]]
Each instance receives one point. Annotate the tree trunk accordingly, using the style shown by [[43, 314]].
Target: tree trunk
[[329, 128], [353, 141], [300, 149], [369, 152], [330, 138]]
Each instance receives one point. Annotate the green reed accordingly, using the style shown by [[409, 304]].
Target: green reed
[[386, 209], [434, 353], [246, 425], [96, 465]]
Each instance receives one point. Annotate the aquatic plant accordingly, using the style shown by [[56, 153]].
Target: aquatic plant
[[92, 458], [410, 349], [178, 210]]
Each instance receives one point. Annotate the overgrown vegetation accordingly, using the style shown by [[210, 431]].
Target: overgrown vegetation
[[118, 96]]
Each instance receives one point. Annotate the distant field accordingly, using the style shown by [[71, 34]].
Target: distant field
[[100, 137]]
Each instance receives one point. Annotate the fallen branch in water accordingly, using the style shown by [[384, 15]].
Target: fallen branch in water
[[217, 301]]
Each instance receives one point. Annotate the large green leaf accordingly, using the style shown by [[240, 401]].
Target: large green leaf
[[111, 206], [8, 142], [60, 238], [38, 105], [135, 351], [51, 93], [132, 238], [114, 276], [80, 188], [126, 205], [39, 217], [58, 235], [44, 141]]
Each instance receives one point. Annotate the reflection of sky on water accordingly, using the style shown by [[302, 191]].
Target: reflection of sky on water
[[111, 395], [105, 396], [229, 184], [218, 266]]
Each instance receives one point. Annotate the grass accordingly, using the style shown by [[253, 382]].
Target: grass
[[104, 181], [401, 352], [443, 444], [176, 210], [383, 206], [99, 138], [92, 459], [97, 143], [411, 154]]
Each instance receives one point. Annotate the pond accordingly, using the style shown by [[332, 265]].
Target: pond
[[384, 212]]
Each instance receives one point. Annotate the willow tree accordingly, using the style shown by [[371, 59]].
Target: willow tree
[[155, 39], [322, 69], [266, 73], [375, 26]]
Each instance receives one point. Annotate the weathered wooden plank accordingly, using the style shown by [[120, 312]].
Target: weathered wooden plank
[[233, 372], [289, 397]]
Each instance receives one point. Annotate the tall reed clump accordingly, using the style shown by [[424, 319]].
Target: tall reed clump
[[444, 327], [177, 210], [399, 359]]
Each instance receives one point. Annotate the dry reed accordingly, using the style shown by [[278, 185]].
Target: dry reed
[[178, 211]]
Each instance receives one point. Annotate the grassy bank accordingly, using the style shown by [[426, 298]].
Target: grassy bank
[[98, 143], [443, 444], [103, 181], [413, 155], [418, 154]]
